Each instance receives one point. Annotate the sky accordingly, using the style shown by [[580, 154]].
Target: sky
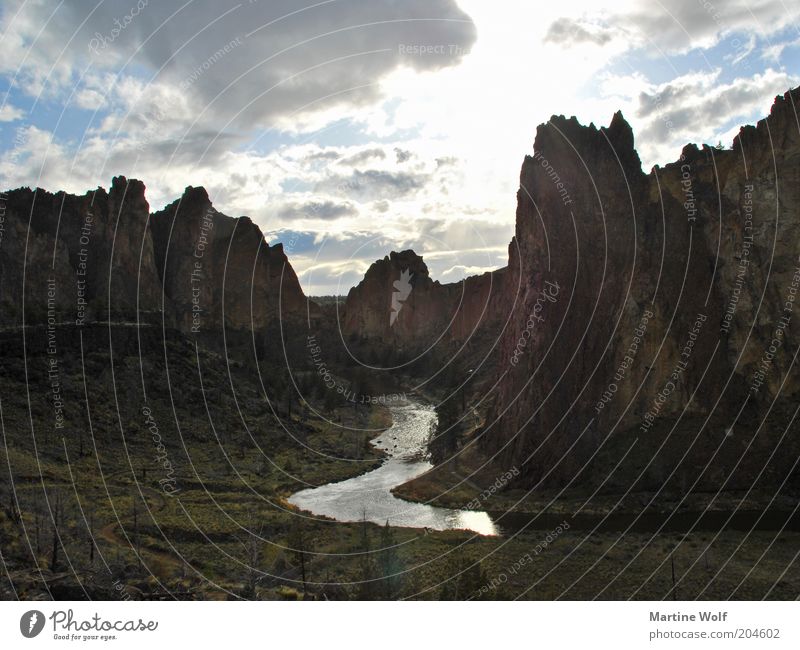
[[350, 128]]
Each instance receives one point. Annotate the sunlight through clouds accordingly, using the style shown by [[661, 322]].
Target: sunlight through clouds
[[318, 120]]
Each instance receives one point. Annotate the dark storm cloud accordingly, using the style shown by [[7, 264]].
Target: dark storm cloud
[[324, 155], [402, 155], [446, 161], [252, 62]]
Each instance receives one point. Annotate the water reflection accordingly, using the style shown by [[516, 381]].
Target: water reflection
[[369, 495]]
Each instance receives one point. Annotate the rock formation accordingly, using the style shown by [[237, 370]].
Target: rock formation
[[398, 304], [83, 258], [214, 266], [101, 256], [646, 322], [643, 332], [674, 326]]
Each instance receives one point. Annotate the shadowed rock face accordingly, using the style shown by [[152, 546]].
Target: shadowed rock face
[[221, 266], [398, 304], [94, 248], [637, 314], [105, 249], [672, 286], [644, 321]]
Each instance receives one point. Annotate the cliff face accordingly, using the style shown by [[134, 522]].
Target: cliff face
[[79, 256], [674, 309], [214, 268], [645, 323], [643, 331], [77, 259], [398, 304]]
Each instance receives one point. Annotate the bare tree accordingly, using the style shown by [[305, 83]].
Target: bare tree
[[57, 520], [90, 537], [297, 544], [136, 530], [252, 551]]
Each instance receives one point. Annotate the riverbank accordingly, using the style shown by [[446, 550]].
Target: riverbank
[[468, 480], [369, 496]]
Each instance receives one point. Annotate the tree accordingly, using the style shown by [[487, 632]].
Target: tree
[[331, 400], [288, 397], [136, 531], [298, 549], [466, 582], [390, 564], [471, 580], [57, 519], [366, 587], [252, 548], [90, 538], [446, 439]]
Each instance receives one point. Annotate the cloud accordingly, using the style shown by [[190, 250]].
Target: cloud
[[89, 99], [9, 113], [35, 155], [446, 161], [325, 210], [174, 88], [689, 108], [774, 51], [375, 184], [742, 51], [287, 63], [333, 261], [571, 31], [316, 119], [672, 26], [402, 155], [364, 156], [458, 271], [323, 155], [681, 91]]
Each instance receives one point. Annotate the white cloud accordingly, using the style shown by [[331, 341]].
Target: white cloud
[[774, 51], [696, 108], [672, 26], [9, 113], [89, 99]]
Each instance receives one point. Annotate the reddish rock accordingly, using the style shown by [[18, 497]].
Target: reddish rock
[[95, 247], [213, 265], [397, 303], [636, 350], [106, 249]]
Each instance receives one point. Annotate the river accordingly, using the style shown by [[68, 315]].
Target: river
[[369, 495]]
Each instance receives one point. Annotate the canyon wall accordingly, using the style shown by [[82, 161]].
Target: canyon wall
[[673, 328], [70, 259], [644, 330], [216, 268], [399, 305]]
